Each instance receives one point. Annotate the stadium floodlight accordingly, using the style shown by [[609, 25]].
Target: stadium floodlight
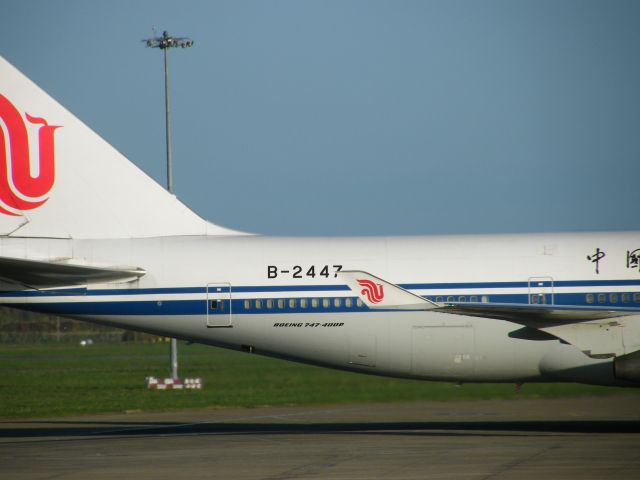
[[164, 43], [167, 41]]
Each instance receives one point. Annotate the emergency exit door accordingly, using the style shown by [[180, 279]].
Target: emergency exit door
[[541, 290], [219, 305]]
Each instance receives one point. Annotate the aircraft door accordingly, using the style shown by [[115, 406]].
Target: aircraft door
[[541, 290], [219, 306]]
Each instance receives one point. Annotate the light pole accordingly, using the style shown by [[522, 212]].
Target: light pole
[[164, 43]]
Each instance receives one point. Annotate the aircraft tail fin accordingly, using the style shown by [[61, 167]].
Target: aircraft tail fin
[[59, 179]]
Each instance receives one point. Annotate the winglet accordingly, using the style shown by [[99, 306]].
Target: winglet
[[380, 294]]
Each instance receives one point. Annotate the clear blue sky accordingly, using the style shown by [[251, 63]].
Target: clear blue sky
[[361, 117]]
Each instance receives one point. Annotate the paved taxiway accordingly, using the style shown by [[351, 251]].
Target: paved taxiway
[[586, 438]]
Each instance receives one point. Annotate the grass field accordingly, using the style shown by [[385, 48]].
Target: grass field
[[63, 379]]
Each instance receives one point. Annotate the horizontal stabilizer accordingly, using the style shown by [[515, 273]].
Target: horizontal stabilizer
[[41, 274], [380, 294]]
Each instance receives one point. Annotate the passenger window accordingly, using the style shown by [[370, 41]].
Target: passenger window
[[314, 303], [269, 304], [348, 302], [602, 298], [360, 303], [613, 297], [292, 303], [247, 304], [636, 297], [451, 299], [462, 299], [473, 299], [303, 303], [325, 303], [258, 304], [439, 299], [485, 298], [590, 298], [534, 299], [337, 302], [626, 298], [281, 303], [217, 305]]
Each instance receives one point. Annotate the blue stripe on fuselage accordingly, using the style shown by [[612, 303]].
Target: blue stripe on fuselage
[[240, 307], [315, 288], [130, 306]]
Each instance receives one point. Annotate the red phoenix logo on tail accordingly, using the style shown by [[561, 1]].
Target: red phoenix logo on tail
[[373, 291], [23, 186]]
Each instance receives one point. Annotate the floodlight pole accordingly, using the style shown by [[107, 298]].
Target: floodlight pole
[[164, 43], [173, 343], [167, 128]]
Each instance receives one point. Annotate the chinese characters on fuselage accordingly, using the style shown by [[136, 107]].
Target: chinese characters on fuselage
[[632, 259], [596, 257]]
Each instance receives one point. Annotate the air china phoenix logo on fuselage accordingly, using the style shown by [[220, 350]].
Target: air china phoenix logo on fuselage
[[23, 185], [373, 291]]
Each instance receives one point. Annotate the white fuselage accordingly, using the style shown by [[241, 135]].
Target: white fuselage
[[282, 297]]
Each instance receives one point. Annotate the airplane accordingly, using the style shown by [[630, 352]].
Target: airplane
[[86, 234]]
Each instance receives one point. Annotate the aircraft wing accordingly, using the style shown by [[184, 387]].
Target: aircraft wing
[[597, 332], [38, 274], [536, 316]]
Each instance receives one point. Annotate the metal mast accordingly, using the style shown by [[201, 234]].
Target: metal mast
[[164, 43]]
